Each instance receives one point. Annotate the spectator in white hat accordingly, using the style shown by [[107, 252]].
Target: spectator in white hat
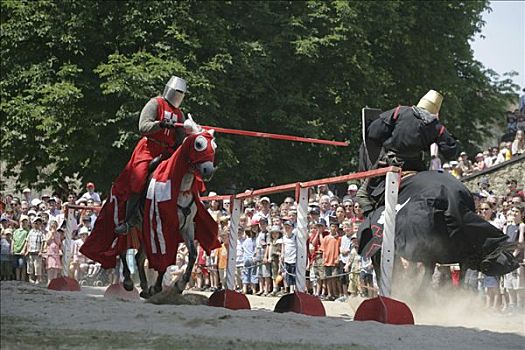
[[35, 203], [33, 250], [480, 164], [91, 194], [446, 168], [27, 194], [215, 208], [465, 164], [455, 170], [264, 209], [350, 193]]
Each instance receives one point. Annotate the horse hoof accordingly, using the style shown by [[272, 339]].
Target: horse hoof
[[152, 290], [128, 285], [145, 294]]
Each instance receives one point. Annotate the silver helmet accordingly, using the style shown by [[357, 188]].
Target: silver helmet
[[174, 91]]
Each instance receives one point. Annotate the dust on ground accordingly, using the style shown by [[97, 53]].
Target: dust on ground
[[34, 317]]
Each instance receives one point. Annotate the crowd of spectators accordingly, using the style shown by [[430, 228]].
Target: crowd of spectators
[[506, 212], [512, 145], [267, 246], [35, 246]]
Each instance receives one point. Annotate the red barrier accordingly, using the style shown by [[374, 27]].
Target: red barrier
[[64, 284], [117, 291], [229, 299]]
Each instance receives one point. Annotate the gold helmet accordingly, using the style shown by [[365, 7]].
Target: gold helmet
[[431, 102]]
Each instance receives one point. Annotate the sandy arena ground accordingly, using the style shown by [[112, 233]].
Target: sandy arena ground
[[33, 317]]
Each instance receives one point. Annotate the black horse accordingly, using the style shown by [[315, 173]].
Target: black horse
[[436, 222]]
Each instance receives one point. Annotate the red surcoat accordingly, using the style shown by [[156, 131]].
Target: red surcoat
[[149, 147]]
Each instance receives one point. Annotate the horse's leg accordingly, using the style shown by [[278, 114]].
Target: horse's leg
[[140, 258], [157, 287], [188, 235], [128, 282]]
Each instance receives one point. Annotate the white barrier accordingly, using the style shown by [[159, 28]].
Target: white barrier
[[301, 195]]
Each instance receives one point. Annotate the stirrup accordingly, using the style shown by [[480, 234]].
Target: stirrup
[[122, 229]]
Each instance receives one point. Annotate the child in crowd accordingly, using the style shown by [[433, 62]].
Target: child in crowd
[[330, 249], [33, 250], [6, 257], [79, 263], [54, 245], [317, 256], [366, 277], [273, 254], [289, 254], [174, 272], [344, 251], [239, 260], [200, 272], [17, 247], [222, 258], [353, 266], [264, 270], [249, 271]]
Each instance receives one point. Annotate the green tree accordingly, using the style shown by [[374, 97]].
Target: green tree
[[76, 74]]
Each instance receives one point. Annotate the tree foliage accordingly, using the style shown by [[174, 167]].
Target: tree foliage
[[75, 75]]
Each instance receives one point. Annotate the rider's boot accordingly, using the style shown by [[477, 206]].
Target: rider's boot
[[132, 208]]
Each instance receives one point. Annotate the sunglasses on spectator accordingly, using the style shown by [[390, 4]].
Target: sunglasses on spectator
[[288, 202], [484, 208]]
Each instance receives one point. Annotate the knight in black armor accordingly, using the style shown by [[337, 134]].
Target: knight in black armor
[[402, 135]]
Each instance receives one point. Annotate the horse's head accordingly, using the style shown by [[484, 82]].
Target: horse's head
[[200, 145]]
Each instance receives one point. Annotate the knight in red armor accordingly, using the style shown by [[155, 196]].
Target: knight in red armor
[[160, 138]]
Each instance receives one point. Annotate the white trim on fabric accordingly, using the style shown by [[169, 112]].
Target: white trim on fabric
[[162, 194], [151, 196], [157, 192], [114, 200], [114, 244]]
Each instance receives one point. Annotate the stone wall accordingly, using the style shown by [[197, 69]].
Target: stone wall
[[498, 175]]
